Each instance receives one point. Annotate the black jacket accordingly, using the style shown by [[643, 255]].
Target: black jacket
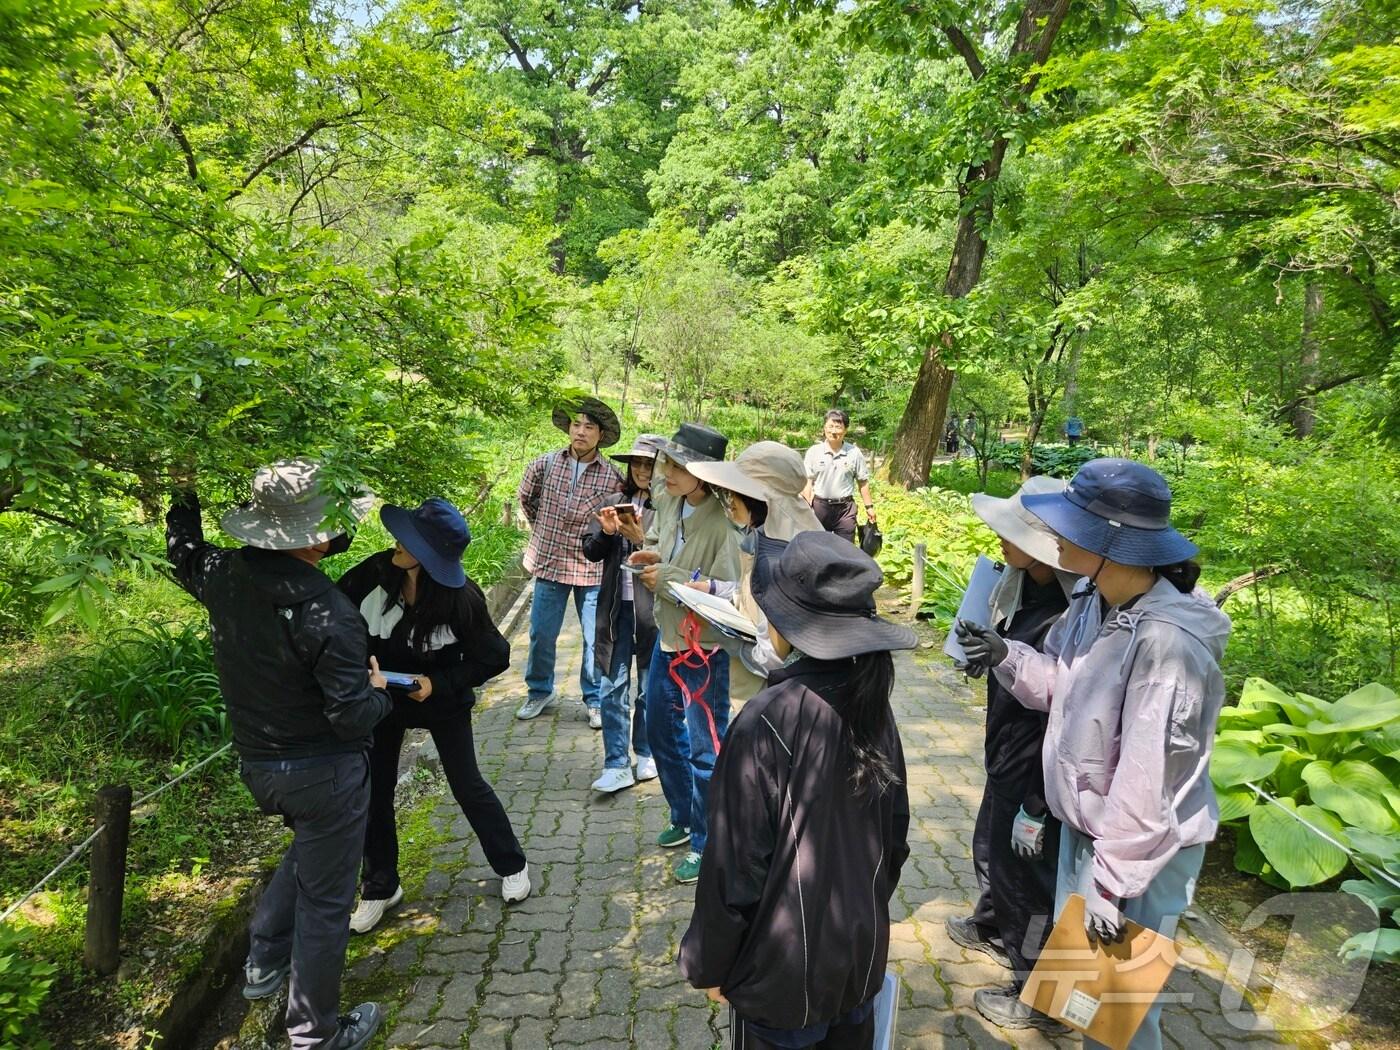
[[792, 917], [1015, 733], [455, 665], [612, 551], [289, 647]]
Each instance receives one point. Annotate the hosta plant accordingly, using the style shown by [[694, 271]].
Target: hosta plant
[[1334, 769]]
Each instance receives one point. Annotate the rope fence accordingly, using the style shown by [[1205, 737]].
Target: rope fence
[[114, 815]]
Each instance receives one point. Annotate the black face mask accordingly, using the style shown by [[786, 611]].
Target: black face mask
[[338, 545]]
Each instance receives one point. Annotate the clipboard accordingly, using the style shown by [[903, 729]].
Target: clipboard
[[717, 611], [976, 606], [1104, 991]]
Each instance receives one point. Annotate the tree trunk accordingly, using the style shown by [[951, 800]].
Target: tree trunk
[[1305, 411], [916, 440], [1028, 446]]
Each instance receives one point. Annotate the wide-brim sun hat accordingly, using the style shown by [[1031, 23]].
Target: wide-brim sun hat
[[610, 429], [435, 534], [694, 443], [644, 446], [771, 472], [288, 508], [818, 590], [1118, 509], [1010, 519]]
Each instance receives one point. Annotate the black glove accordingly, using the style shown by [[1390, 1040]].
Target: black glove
[[983, 646], [1103, 918]]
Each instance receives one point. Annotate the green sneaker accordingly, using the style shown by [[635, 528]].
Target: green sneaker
[[673, 836], [688, 870]]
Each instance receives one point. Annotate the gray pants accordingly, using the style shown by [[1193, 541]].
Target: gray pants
[[304, 914], [1167, 896]]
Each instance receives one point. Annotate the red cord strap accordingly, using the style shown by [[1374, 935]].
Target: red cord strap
[[693, 657]]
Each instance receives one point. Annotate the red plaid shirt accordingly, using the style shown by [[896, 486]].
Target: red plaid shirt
[[559, 511]]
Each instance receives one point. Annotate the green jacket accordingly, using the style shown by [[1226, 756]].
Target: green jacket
[[710, 546]]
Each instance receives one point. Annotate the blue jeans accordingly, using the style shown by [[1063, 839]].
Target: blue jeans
[[615, 694], [547, 606], [683, 736], [1167, 896]]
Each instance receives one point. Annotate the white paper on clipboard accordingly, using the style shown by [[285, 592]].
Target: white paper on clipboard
[[976, 604]]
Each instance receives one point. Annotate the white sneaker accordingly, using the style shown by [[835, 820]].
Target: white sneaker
[[646, 768], [367, 914], [516, 887], [614, 780], [595, 718], [533, 707]]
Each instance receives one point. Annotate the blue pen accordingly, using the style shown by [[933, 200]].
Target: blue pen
[[694, 576]]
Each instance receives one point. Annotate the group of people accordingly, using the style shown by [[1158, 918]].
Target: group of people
[[1103, 689]]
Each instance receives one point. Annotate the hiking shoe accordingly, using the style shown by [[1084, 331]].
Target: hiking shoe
[[673, 836], [614, 780], [688, 870], [259, 983], [966, 933], [646, 768], [1003, 1007], [367, 914], [357, 1027], [595, 718], [534, 706], [515, 888]]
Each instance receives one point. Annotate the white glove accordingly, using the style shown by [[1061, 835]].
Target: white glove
[[1027, 835]]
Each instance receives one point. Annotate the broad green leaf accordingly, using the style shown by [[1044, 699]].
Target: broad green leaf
[[1381, 945], [1383, 849], [1234, 762], [1250, 859], [1380, 896], [1242, 717], [1348, 789], [1386, 740], [1235, 802], [1369, 707], [1298, 853]]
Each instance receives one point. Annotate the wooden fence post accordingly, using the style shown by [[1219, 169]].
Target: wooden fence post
[[108, 880], [917, 597]]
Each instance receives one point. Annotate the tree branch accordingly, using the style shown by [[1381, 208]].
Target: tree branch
[[272, 157], [1286, 409], [965, 47], [515, 49], [171, 125], [600, 81]]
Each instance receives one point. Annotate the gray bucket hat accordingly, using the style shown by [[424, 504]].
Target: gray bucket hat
[[644, 446], [289, 508], [1010, 519]]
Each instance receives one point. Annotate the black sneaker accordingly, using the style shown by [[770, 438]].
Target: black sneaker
[[357, 1027], [1003, 1007], [966, 933]]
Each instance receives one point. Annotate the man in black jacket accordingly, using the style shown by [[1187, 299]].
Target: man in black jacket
[[294, 670], [1016, 839]]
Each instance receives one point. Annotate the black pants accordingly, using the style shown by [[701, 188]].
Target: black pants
[[453, 738], [836, 515], [860, 1036], [1017, 904], [304, 913]]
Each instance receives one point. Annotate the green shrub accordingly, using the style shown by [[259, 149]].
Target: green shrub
[[24, 985], [158, 683], [1059, 461], [1335, 766]]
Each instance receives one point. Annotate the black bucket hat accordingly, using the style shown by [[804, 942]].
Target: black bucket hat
[[695, 443], [610, 428], [1118, 509], [819, 592], [436, 534]]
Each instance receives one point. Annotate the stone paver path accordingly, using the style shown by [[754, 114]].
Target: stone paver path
[[588, 960]]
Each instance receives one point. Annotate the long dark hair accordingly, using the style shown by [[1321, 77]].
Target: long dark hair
[[1182, 575], [461, 609], [757, 508], [866, 714]]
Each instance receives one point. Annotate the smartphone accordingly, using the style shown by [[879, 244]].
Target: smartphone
[[401, 681], [626, 510]]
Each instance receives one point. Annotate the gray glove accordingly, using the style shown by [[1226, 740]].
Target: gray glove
[[1103, 921], [983, 646], [1027, 835]]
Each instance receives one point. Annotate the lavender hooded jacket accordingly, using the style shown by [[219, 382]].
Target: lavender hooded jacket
[[1133, 703]]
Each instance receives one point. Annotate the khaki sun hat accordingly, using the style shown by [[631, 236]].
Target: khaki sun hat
[[1010, 519], [288, 508], [771, 472]]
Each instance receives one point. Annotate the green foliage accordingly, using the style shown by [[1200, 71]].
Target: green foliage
[[1058, 461], [1333, 767], [159, 683], [24, 985]]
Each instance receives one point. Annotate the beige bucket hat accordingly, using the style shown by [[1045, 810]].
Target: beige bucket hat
[[289, 508], [773, 473], [1010, 519]]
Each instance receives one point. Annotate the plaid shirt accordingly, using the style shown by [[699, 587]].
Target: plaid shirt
[[559, 511]]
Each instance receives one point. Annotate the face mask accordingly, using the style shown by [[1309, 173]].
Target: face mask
[[748, 537], [338, 545]]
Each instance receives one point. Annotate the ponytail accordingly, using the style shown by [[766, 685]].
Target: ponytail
[[866, 714], [1182, 575]]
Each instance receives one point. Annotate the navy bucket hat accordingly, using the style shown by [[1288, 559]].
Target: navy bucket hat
[[436, 534], [1117, 509]]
